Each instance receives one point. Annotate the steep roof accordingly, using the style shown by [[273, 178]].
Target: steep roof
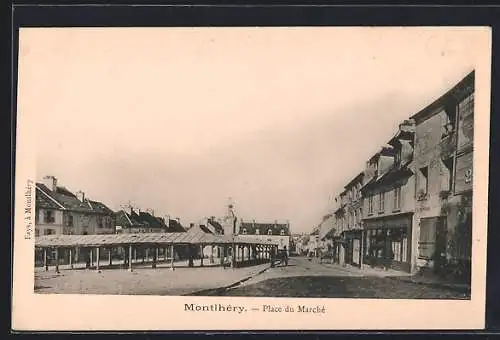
[[276, 228], [175, 226], [62, 198], [216, 225]]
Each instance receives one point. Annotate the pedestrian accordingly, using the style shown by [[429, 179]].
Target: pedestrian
[[285, 256]]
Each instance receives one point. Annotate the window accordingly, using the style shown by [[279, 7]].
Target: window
[[37, 232], [49, 232], [423, 183], [282, 232], [257, 231], [381, 202], [397, 157], [244, 231], [99, 221], [48, 216], [370, 204], [449, 173], [70, 220], [269, 232], [397, 198], [466, 122], [449, 122]]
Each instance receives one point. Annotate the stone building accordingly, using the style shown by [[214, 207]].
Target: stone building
[[443, 163], [388, 222]]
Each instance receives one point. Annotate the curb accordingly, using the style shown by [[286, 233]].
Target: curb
[[220, 290], [463, 290]]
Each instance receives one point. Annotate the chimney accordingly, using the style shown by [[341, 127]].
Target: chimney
[[80, 195], [50, 182]]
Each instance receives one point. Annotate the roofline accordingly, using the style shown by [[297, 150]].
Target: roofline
[[51, 198], [349, 184], [431, 109]]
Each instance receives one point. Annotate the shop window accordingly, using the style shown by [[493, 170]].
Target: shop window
[[269, 232], [282, 232], [257, 231], [244, 231], [49, 232]]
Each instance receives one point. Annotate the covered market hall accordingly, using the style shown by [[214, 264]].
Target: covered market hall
[[224, 250]]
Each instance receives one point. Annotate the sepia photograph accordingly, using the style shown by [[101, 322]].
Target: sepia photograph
[[311, 168]]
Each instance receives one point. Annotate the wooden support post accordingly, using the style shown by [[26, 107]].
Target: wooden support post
[[221, 256], [156, 253], [110, 255], [201, 255], [91, 251], [135, 254], [165, 254], [147, 254], [97, 259], [130, 258], [71, 258], [143, 255], [45, 263], [57, 260], [233, 256], [172, 257]]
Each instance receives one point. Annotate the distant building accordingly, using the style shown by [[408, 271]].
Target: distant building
[[352, 235], [278, 233], [144, 222]]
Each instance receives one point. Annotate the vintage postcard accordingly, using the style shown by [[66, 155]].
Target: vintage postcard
[[327, 178]]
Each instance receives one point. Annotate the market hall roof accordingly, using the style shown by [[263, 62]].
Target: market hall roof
[[193, 237]]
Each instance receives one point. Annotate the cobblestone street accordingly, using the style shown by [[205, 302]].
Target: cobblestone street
[[305, 278]]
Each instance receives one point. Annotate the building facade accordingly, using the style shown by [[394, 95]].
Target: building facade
[[444, 168], [278, 233], [59, 211], [352, 233], [388, 225]]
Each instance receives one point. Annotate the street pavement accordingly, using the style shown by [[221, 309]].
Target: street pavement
[[301, 278], [309, 278]]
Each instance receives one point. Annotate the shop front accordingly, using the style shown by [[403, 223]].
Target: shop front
[[352, 242], [387, 242]]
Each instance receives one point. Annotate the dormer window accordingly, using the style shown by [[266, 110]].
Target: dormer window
[[269, 231]]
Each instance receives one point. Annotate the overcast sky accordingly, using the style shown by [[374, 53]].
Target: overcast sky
[[178, 120]]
